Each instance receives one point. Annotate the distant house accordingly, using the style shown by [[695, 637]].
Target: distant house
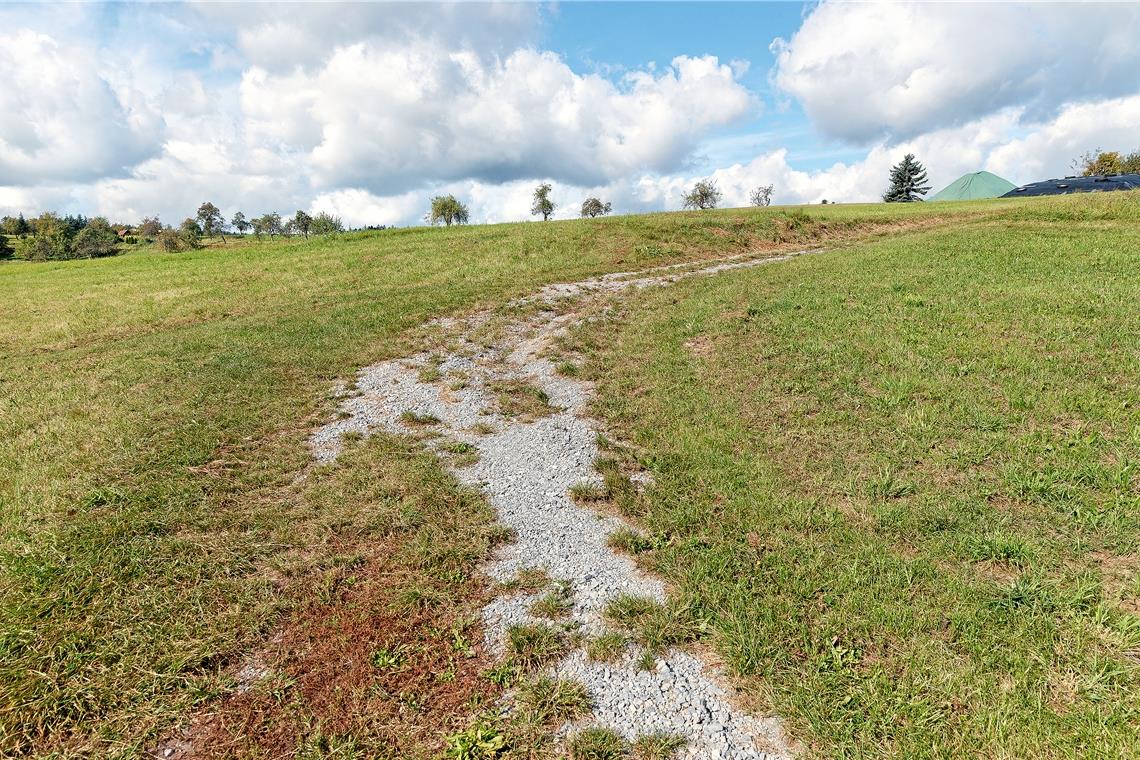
[[974, 186], [1068, 185]]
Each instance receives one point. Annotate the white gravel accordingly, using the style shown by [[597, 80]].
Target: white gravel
[[526, 470]]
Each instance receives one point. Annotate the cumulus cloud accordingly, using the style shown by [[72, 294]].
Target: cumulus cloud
[[62, 120], [388, 119], [863, 71]]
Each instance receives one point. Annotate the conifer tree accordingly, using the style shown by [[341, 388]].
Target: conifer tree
[[908, 181]]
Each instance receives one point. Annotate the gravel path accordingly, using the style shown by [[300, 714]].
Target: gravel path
[[526, 469]]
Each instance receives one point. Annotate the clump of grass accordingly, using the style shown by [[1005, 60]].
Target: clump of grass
[[503, 674], [654, 625], [526, 581], [567, 369], [534, 644], [598, 744], [659, 746], [629, 540], [585, 492], [387, 659], [415, 418], [429, 374], [547, 701], [999, 546], [555, 604], [482, 428], [521, 399], [462, 454], [619, 487], [457, 447], [606, 647]]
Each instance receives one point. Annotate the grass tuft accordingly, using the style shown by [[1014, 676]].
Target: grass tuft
[[606, 647], [535, 644], [598, 744]]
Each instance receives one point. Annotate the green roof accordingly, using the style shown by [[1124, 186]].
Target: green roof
[[973, 186]]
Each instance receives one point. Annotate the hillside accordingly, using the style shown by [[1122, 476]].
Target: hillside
[[893, 486]]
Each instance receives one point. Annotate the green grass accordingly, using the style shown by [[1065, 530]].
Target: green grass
[[899, 483], [153, 412]]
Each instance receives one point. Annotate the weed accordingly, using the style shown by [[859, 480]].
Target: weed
[[521, 399], [629, 540], [598, 744], [533, 645], [606, 647], [588, 493], [556, 603], [410, 417], [660, 746], [547, 701], [387, 659], [482, 428], [567, 369], [481, 741]]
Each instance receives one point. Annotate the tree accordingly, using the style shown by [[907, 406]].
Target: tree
[[169, 240], [190, 232], [6, 249], [1098, 162], [150, 228], [239, 223], [593, 207], [326, 224], [211, 221], [95, 240], [50, 239], [908, 178], [761, 196], [542, 203], [705, 194], [447, 209], [302, 222], [268, 224]]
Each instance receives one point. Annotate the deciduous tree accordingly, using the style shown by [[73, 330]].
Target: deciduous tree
[[240, 223], [542, 203], [593, 207], [761, 196], [302, 222], [95, 240], [705, 194], [448, 210], [211, 221]]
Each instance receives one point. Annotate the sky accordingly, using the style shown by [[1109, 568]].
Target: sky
[[366, 110]]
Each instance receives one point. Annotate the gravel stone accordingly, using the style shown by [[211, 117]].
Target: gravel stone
[[526, 470]]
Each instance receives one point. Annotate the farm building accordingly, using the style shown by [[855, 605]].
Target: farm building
[[1078, 185], [974, 186]]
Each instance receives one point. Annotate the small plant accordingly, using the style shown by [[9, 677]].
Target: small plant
[[503, 674], [533, 645], [429, 374], [567, 369], [588, 493], [554, 604], [415, 418], [457, 447], [606, 647], [659, 746], [527, 581], [654, 625], [478, 742], [547, 701], [521, 399], [629, 540], [646, 660], [598, 744], [482, 428], [387, 659]]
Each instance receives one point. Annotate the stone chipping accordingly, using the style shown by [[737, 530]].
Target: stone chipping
[[526, 468]]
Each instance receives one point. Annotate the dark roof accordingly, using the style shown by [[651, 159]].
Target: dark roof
[[1078, 185]]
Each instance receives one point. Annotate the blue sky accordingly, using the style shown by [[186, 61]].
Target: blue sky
[[366, 109]]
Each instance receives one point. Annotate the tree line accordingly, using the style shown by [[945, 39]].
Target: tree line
[[51, 237]]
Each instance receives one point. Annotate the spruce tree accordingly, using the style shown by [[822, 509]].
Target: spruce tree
[[908, 181]]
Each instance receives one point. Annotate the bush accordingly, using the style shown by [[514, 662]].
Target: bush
[[95, 240], [6, 249]]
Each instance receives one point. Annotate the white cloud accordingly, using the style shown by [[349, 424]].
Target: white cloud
[[863, 71], [390, 119], [62, 120]]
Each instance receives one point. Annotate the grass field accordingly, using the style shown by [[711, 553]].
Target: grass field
[[933, 436], [900, 482]]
